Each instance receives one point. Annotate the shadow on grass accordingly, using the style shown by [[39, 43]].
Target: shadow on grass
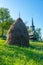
[[27, 52], [40, 48], [10, 53]]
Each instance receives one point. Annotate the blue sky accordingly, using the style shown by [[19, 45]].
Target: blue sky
[[27, 9]]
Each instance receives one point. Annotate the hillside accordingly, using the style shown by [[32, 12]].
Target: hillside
[[14, 55]]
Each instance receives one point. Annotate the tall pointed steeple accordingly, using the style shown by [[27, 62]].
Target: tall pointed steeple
[[33, 27], [32, 22]]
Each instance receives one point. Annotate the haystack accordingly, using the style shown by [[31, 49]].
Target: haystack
[[18, 34]]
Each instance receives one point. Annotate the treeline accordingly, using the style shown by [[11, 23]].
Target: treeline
[[6, 21]]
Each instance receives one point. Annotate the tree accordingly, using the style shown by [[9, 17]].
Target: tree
[[4, 18], [9, 22], [37, 34], [4, 14]]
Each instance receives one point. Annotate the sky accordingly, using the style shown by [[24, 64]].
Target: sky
[[28, 9]]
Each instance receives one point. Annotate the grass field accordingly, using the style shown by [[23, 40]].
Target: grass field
[[14, 55]]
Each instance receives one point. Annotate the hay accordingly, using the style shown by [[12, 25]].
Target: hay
[[18, 34]]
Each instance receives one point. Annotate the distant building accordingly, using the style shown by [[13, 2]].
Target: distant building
[[32, 30]]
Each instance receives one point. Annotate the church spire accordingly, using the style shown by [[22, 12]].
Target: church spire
[[32, 22], [33, 27]]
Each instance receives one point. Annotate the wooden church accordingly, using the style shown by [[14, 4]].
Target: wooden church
[[31, 34]]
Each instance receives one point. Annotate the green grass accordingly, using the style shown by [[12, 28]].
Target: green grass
[[14, 55]]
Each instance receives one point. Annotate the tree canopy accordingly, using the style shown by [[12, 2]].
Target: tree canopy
[[5, 19]]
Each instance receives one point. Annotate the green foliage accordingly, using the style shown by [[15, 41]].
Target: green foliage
[[4, 14], [8, 23], [37, 34], [14, 55], [5, 20]]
